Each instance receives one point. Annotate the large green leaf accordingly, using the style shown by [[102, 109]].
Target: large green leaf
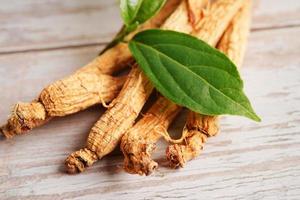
[[191, 73], [135, 12]]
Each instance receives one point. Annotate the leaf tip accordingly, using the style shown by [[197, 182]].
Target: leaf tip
[[255, 117]]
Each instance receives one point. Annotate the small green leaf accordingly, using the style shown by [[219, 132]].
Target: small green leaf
[[136, 12], [191, 73]]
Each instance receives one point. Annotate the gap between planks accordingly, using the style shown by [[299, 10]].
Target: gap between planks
[[105, 43]]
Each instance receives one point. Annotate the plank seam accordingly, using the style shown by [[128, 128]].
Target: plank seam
[[105, 43]]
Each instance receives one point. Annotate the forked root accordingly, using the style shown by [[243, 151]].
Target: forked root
[[139, 142], [198, 127], [179, 154], [193, 139]]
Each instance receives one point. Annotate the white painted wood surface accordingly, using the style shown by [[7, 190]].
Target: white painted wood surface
[[245, 161]]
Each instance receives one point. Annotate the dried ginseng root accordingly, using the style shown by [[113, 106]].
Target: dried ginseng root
[[86, 87], [199, 127], [139, 142], [77, 92], [212, 27], [121, 114], [184, 18]]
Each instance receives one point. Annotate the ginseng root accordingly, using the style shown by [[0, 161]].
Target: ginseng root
[[192, 140], [184, 18], [199, 127], [213, 27], [86, 87], [69, 95], [139, 142], [120, 116]]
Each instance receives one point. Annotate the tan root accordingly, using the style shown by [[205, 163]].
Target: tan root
[[216, 19], [86, 87], [107, 132], [139, 142], [118, 118], [192, 142], [24, 117], [69, 95], [199, 127], [185, 16], [212, 27]]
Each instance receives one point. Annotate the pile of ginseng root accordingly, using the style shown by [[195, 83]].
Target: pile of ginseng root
[[223, 24]]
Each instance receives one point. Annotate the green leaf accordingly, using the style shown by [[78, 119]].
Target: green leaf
[[136, 12], [191, 73]]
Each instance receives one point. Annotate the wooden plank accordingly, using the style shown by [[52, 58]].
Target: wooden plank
[[37, 69], [246, 161], [44, 24], [276, 13]]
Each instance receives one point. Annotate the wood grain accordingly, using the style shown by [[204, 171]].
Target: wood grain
[[31, 24], [270, 14], [245, 161], [47, 24]]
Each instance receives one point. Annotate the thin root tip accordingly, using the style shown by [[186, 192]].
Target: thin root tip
[[175, 156]]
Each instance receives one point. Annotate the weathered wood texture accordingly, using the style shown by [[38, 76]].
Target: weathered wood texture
[[32, 24], [245, 161]]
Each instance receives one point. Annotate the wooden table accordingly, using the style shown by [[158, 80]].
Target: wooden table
[[44, 40]]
